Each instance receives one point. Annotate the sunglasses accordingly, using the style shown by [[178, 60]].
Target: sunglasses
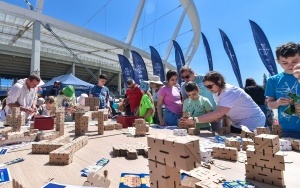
[[209, 86], [185, 77]]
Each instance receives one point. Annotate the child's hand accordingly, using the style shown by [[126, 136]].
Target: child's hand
[[282, 101], [185, 121], [296, 71]]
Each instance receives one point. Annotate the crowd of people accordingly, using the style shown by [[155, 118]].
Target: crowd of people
[[208, 99]]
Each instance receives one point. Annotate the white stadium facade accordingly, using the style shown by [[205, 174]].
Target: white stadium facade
[[27, 44]]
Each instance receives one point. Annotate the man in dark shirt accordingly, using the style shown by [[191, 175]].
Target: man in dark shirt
[[54, 91]]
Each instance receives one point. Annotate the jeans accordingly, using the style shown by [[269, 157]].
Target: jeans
[[171, 119]]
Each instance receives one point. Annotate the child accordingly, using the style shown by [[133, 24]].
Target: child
[[46, 109], [283, 90], [196, 104], [146, 108]]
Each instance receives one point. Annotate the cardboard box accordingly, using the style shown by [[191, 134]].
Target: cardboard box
[[296, 145], [179, 132], [193, 131], [267, 143], [233, 142], [266, 175], [228, 153], [272, 161], [246, 133], [262, 130], [285, 145], [43, 123], [246, 142]]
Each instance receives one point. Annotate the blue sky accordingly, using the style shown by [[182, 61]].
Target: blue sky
[[279, 19]]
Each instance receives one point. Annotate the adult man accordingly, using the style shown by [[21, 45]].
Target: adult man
[[187, 74], [101, 91], [133, 96], [23, 94], [54, 91]]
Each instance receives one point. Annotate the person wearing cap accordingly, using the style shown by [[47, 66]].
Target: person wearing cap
[[156, 85], [133, 96], [23, 94], [101, 91], [55, 90], [66, 98], [146, 108]]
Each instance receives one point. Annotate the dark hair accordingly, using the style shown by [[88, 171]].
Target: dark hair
[[103, 76], [50, 100], [289, 49], [191, 86], [34, 76], [130, 81], [216, 78], [250, 82], [171, 73]]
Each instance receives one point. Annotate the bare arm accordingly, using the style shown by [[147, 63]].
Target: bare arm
[[159, 111], [148, 113], [274, 104]]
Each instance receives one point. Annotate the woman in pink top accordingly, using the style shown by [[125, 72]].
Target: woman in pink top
[[169, 96]]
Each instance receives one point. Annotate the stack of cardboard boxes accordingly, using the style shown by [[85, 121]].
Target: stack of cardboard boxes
[[81, 123], [64, 154], [92, 102], [262, 130], [167, 155], [140, 128], [60, 120], [100, 122], [246, 142], [265, 162], [277, 130], [185, 115], [15, 120], [233, 142]]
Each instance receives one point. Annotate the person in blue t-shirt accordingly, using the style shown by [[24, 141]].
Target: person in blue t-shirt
[[283, 90], [101, 91]]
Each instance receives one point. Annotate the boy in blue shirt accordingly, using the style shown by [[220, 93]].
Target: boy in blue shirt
[[101, 91], [283, 90]]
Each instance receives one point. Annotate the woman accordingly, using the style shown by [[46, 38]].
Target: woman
[[232, 102], [169, 96], [156, 85]]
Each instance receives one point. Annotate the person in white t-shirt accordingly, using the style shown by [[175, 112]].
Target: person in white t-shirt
[[233, 102]]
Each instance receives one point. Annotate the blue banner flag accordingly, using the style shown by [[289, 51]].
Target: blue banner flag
[[140, 70], [126, 68], [179, 59], [158, 68], [263, 48], [231, 54], [208, 52]]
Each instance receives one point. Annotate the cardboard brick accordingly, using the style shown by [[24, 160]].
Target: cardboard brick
[[179, 132], [272, 161], [228, 153], [233, 142], [246, 142], [285, 145], [266, 175], [224, 131], [189, 182], [262, 130], [267, 143], [246, 133], [193, 131], [296, 145]]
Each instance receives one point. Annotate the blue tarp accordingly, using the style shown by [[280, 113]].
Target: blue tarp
[[68, 79]]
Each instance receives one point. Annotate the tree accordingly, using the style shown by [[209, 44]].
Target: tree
[[264, 81]]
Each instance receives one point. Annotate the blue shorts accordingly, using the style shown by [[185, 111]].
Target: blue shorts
[[171, 119]]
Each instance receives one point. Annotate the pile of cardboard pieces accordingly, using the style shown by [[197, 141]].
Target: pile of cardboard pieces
[[13, 134], [64, 154], [140, 127], [92, 102], [59, 126], [276, 130], [228, 153], [16, 119], [170, 155], [265, 162], [82, 121], [104, 124], [131, 151]]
